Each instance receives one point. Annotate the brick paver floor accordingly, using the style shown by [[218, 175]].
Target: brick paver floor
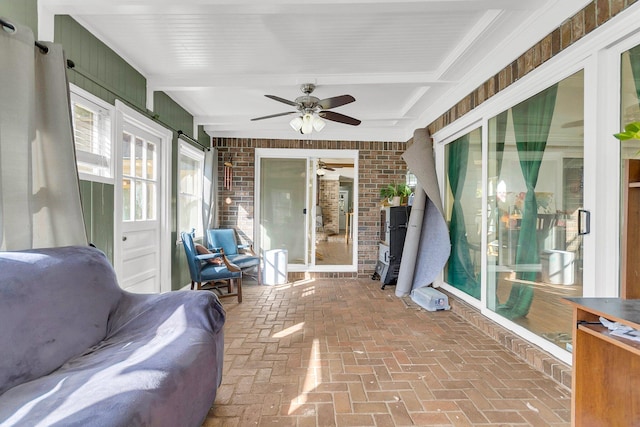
[[343, 352]]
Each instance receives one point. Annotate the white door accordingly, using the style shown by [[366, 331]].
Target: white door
[[141, 247]]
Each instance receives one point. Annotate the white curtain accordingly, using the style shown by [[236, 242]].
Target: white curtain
[[39, 189], [210, 191]]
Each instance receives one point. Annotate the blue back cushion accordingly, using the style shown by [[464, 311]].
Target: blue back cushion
[[224, 238]]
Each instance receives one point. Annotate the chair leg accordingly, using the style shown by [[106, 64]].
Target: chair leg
[[239, 285]]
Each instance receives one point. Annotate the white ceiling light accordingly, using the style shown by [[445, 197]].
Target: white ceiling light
[[318, 123], [296, 123], [307, 123]]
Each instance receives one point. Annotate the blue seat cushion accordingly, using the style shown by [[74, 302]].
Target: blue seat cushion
[[244, 260], [218, 272]]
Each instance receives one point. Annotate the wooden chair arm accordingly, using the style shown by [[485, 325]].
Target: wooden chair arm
[[248, 249]]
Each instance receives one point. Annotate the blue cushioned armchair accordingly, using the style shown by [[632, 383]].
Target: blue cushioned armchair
[[224, 240], [204, 271]]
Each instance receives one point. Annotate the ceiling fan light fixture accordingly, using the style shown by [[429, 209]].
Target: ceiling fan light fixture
[[296, 123], [320, 172], [318, 123], [307, 124]]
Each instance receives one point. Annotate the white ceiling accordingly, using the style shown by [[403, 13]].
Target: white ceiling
[[405, 62]]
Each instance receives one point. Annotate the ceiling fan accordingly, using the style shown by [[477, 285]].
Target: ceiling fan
[[323, 165], [312, 110]]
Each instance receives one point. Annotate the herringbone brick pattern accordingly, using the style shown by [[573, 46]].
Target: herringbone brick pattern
[[343, 352]]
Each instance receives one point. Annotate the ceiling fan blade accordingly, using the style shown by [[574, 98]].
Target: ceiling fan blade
[[274, 115], [286, 101], [336, 101], [337, 117]]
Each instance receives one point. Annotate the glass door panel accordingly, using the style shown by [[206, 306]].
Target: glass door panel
[[283, 199], [535, 198]]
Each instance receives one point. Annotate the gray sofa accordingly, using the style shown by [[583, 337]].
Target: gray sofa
[[76, 350]]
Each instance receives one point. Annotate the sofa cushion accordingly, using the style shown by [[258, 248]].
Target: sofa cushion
[[54, 304]]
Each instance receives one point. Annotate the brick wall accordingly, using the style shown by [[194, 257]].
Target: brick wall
[[570, 31], [380, 164], [328, 192]]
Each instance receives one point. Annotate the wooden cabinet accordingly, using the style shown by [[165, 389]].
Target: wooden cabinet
[[606, 368], [630, 262]]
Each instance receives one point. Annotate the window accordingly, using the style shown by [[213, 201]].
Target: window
[[190, 181], [91, 120]]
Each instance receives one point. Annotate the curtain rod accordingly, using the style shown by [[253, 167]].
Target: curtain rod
[[72, 66], [12, 28], [188, 138]]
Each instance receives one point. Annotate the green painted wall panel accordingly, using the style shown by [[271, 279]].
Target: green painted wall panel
[[23, 12], [98, 69], [98, 208]]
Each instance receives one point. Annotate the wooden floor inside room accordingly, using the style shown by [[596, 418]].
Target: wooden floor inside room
[[343, 352], [334, 252]]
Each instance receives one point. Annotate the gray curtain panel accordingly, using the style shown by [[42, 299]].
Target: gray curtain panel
[[210, 192], [39, 188]]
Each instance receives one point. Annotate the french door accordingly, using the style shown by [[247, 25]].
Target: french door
[[141, 254]]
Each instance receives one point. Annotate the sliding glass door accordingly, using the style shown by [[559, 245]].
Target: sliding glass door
[[308, 206]]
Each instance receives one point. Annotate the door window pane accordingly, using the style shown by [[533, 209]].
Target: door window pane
[[140, 187], [535, 192], [126, 200]]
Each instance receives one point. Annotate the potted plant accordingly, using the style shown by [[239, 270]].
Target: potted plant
[[395, 194]]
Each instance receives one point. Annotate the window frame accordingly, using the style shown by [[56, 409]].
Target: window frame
[[188, 150], [78, 94]]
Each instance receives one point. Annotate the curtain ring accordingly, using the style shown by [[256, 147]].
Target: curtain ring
[[8, 26]]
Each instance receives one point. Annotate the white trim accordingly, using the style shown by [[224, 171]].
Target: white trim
[[126, 114]]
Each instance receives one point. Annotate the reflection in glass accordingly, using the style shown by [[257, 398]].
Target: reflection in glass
[[334, 212], [463, 202]]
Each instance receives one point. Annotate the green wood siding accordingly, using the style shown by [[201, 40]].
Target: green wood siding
[[98, 69], [23, 12], [98, 208]]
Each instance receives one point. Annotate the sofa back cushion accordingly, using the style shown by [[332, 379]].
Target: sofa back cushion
[[54, 305]]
